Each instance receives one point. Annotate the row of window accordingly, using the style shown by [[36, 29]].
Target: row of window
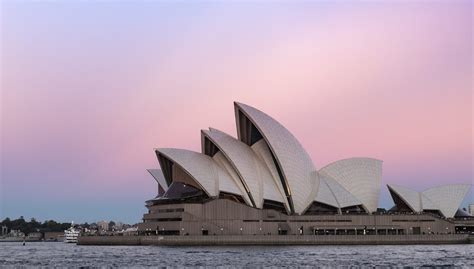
[[323, 220], [409, 220], [314, 232], [168, 210], [305, 220], [168, 219]]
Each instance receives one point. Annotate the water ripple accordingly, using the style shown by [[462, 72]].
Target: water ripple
[[68, 255]]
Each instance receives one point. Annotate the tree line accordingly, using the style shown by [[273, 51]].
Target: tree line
[[34, 226]]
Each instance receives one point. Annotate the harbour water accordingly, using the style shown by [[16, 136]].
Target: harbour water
[[70, 255]]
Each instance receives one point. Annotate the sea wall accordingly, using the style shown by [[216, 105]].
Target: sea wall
[[109, 240], [277, 240]]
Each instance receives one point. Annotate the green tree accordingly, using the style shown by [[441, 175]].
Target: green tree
[[111, 225]]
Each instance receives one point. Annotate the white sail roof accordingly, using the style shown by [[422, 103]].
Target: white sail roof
[[411, 197], [199, 166], [203, 169], [157, 174], [426, 203], [362, 177], [448, 198], [227, 186], [263, 153], [243, 160], [291, 158], [343, 197], [325, 194], [268, 163]]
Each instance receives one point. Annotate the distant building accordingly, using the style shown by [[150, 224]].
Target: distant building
[[4, 230], [471, 209], [16, 233], [103, 225], [53, 236], [118, 226], [131, 231], [36, 236]]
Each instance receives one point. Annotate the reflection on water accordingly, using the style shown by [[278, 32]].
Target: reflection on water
[[61, 254]]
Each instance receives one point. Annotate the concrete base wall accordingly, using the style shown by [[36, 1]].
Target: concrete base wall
[[277, 240], [110, 240], [224, 217]]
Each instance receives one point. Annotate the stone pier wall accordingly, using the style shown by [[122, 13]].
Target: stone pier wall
[[277, 240]]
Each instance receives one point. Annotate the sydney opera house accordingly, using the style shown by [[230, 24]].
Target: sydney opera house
[[264, 183]]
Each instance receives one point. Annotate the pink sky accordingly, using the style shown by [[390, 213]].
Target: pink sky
[[89, 89]]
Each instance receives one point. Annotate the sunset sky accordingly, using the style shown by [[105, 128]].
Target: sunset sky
[[88, 89]]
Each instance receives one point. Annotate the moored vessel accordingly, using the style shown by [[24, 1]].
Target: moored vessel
[[71, 234]]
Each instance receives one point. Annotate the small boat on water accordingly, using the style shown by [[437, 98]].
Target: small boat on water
[[71, 234]]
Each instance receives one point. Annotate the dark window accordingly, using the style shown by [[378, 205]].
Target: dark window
[[416, 230], [168, 219], [353, 210], [255, 135], [270, 204], [401, 206], [166, 166], [168, 232], [370, 231], [317, 208], [330, 231], [210, 148], [179, 190], [249, 134], [232, 197], [351, 232], [181, 193], [168, 210], [433, 212]]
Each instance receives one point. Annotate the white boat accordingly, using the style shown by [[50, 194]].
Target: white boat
[[71, 234]]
